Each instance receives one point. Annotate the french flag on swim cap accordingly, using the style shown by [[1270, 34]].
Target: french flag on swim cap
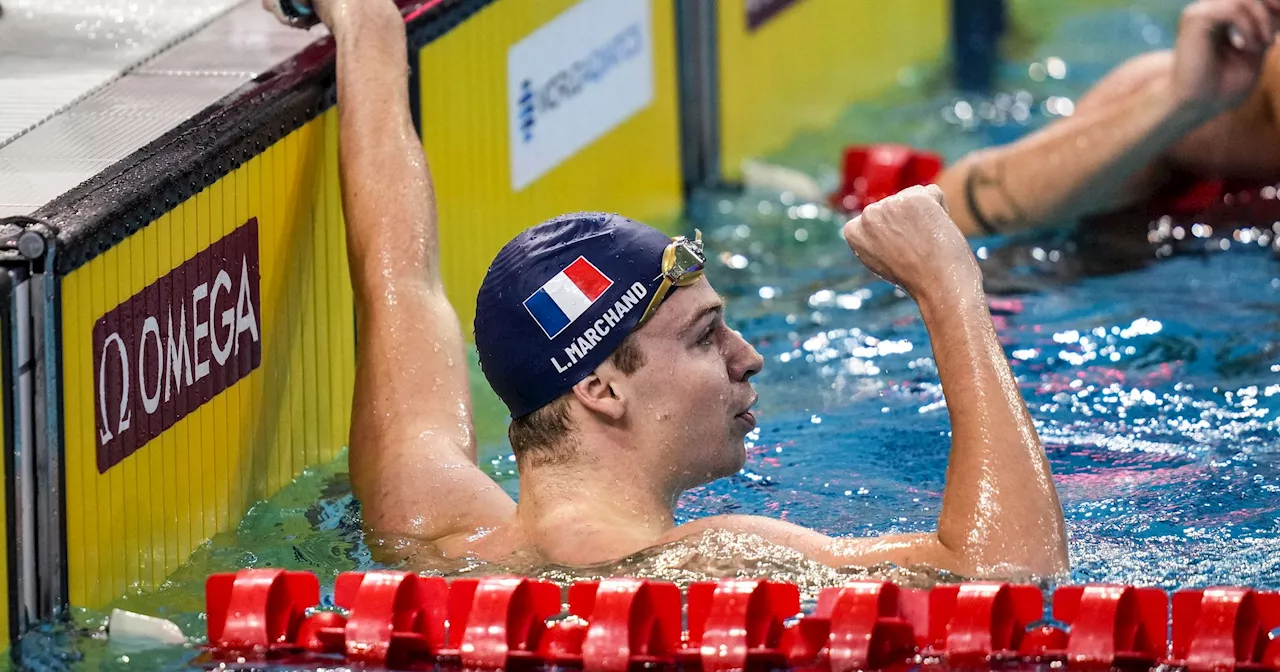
[[566, 296]]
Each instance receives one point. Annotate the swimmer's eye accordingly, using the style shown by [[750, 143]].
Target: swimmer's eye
[[705, 338]]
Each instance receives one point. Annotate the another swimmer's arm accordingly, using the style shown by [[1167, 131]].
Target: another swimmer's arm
[[1145, 114], [413, 453], [1243, 143], [1077, 166]]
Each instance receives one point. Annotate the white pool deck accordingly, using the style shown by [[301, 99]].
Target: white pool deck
[[85, 83]]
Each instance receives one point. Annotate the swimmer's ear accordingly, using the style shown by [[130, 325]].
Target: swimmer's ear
[[598, 396]]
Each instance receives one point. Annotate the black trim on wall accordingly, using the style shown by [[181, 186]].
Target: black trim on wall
[[7, 380]]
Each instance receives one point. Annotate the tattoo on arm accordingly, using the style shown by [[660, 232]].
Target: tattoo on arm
[[990, 180]]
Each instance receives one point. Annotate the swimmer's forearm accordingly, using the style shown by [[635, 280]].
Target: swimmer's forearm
[[388, 195], [411, 402], [1074, 167], [1000, 509]]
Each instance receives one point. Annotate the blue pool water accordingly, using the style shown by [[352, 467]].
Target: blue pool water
[[1155, 390]]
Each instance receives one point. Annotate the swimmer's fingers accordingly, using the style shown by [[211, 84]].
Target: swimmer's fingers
[[273, 7], [1244, 24], [276, 8], [922, 196], [1259, 16], [936, 193], [1273, 11]]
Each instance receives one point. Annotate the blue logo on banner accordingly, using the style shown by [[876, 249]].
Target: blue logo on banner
[[526, 110], [570, 82]]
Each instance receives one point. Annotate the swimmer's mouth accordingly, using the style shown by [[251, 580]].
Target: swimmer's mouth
[[748, 415]]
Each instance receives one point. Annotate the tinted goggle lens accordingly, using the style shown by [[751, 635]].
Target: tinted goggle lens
[[682, 265]]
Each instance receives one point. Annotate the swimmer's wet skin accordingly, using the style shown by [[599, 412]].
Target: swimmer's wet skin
[[618, 408]]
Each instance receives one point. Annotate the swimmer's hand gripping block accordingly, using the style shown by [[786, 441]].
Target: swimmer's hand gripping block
[[403, 621]]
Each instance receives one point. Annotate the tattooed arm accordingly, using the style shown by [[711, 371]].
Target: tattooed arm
[[1084, 164], [1130, 129]]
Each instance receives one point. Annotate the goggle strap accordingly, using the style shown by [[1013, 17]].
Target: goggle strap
[[657, 299]]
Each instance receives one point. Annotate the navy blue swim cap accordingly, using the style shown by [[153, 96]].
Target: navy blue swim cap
[[559, 299]]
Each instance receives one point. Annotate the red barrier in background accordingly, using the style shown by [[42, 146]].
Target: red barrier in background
[[875, 172], [404, 621]]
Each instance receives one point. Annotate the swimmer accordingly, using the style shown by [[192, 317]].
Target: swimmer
[[1145, 136], [609, 346]]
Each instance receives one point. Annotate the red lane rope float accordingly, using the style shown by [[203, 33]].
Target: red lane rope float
[[258, 610], [507, 620], [631, 622], [1113, 625], [394, 616], [867, 627], [740, 621], [400, 620], [1226, 629], [971, 623]]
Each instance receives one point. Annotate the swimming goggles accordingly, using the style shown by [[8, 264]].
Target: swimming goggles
[[682, 265]]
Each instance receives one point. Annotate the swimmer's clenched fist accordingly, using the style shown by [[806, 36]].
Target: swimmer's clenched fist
[[1221, 48], [910, 240]]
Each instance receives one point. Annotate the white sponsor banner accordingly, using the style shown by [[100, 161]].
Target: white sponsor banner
[[574, 79]]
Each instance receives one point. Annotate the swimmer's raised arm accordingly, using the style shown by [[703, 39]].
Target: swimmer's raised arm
[[1000, 512], [413, 454], [1197, 107], [1000, 509]]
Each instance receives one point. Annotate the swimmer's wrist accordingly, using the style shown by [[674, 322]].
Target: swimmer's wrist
[[344, 16], [1183, 110], [950, 292], [955, 311]]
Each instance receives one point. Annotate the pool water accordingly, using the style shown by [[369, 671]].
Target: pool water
[[1155, 390]]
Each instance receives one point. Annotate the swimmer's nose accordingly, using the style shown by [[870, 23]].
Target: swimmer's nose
[[757, 363], [746, 361]]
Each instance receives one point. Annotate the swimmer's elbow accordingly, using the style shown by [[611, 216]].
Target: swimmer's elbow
[[931, 552], [1006, 559]]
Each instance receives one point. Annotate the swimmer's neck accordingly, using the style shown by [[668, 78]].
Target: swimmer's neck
[[612, 512]]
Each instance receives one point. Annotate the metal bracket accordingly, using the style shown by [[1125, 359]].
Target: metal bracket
[[699, 72], [26, 236]]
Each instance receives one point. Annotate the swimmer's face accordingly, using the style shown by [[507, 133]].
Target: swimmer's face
[[692, 397]]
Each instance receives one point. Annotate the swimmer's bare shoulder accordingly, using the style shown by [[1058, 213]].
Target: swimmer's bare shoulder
[[906, 550], [413, 453]]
